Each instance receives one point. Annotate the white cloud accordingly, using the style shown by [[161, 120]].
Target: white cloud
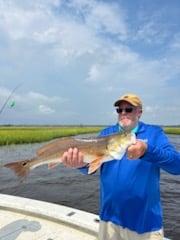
[[175, 43], [67, 52], [94, 74], [45, 109], [29, 104], [108, 18]]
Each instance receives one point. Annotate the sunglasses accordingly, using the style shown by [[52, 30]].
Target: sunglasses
[[126, 109]]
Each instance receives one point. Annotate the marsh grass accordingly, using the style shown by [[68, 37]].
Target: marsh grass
[[21, 135], [172, 130]]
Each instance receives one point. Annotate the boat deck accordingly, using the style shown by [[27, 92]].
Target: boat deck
[[22, 218]]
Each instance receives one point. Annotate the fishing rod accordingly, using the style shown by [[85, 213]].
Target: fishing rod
[[10, 95]]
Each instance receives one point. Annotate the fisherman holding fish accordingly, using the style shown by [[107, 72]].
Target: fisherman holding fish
[[130, 204], [130, 155]]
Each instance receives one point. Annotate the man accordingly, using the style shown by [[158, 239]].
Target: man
[[130, 205]]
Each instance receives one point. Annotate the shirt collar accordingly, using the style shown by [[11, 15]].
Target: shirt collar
[[134, 130]]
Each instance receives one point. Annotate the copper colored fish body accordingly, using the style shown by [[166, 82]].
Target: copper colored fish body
[[96, 150]]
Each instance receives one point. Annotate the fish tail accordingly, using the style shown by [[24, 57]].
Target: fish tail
[[22, 168]]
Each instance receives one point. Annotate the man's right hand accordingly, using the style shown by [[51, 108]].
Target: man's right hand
[[73, 158]]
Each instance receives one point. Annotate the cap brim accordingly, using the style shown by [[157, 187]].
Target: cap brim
[[116, 104]]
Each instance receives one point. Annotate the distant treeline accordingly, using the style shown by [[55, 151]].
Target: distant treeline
[[170, 126]]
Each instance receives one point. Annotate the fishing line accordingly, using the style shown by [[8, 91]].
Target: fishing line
[[8, 98]]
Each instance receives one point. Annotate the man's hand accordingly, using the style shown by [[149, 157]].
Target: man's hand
[[136, 150], [73, 158]]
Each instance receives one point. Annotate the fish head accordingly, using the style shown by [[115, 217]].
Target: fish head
[[119, 143]]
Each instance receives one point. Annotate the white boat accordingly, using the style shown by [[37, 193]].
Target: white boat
[[24, 218]]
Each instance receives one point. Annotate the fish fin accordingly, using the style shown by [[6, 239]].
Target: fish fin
[[95, 164], [22, 168], [53, 165]]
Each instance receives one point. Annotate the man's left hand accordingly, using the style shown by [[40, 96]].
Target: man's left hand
[[136, 150]]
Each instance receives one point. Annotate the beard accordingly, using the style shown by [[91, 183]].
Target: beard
[[128, 123]]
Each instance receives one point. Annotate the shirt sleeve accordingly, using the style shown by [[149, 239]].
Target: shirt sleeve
[[162, 153]]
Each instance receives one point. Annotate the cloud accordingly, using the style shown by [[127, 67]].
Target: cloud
[[29, 104], [79, 54], [94, 73], [107, 19], [45, 109]]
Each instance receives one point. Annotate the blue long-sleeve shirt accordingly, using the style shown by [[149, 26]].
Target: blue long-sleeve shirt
[[129, 189]]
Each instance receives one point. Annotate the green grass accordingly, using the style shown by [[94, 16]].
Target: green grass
[[21, 135], [172, 130]]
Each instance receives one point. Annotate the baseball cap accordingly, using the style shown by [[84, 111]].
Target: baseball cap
[[133, 99]]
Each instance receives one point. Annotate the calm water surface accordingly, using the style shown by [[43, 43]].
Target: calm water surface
[[68, 187]]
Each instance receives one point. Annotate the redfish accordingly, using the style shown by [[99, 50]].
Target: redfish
[[96, 150]]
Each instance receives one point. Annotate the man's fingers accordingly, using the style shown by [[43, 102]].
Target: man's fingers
[[73, 158]]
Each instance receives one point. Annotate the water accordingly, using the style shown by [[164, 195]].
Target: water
[[68, 187]]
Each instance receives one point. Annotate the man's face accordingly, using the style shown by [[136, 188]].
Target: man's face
[[128, 115]]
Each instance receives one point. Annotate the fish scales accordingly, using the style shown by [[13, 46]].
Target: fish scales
[[85, 144]]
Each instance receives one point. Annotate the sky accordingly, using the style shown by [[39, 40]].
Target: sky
[[68, 61]]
